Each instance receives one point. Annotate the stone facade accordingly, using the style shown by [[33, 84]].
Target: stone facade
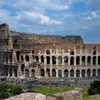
[[36, 55]]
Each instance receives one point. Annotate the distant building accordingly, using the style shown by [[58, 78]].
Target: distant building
[[37, 55]]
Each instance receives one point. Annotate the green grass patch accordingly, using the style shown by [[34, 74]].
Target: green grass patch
[[46, 90]]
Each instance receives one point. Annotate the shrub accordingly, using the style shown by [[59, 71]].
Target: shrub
[[4, 95], [94, 88]]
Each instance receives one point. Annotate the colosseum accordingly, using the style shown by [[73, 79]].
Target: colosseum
[[38, 55]]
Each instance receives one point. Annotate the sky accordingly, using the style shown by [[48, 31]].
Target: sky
[[53, 17]]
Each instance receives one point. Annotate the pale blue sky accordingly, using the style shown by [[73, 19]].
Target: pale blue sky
[[53, 17]]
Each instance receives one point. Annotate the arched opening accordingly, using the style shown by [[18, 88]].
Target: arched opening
[[48, 59], [94, 60], [11, 58], [72, 53], [59, 60], [53, 73], [59, 73], [66, 59], [99, 60], [65, 73], [42, 72], [21, 58], [18, 54], [6, 71], [53, 59], [33, 51], [48, 52], [94, 72], [72, 61], [11, 72], [94, 52], [83, 73], [48, 73], [37, 58], [42, 59], [26, 72], [33, 73], [77, 73], [77, 60], [88, 73], [98, 72], [15, 72], [83, 60], [27, 58], [89, 59], [71, 73], [22, 69]]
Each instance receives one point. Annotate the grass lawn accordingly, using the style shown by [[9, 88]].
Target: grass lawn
[[51, 90]]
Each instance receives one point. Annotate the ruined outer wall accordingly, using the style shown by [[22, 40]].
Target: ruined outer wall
[[42, 39]]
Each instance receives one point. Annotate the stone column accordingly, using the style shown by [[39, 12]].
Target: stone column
[[74, 73], [56, 60], [80, 60], [50, 60], [86, 60], [75, 60], [62, 60], [56, 72], [62, 73], [69, 60], [69, 73], [91, 60]]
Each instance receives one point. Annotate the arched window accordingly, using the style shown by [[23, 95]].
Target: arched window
[[53, 73], [94, 72], [26, 72], [98, 72], [59, 60], [94, 60], [83, 60], [53, 59], [48, 72], [72, 53], [89, 59], [89, 73], [99, 60], [18, 54], [77, 60], [77, 73], [10, 72], [21, 58], [33, 51], [27, 58], [37, 58], [65, 73], [15, 72], [42, 72], [71, 73], [33, 73], [22, 68], [59, 73], [71, 60], [42, 59], [94, 52], [48, 52], [48, 59], [83, 73], [66, 59]]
